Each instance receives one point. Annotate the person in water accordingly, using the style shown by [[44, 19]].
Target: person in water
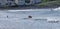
[[29, 16], [7, 16]]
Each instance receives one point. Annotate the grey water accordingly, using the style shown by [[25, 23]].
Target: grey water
[[16, 20]]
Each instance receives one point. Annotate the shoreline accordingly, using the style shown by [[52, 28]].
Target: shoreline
[[29, 7]]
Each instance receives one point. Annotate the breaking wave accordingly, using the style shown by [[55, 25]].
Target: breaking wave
[[57, 9], [28, 10]]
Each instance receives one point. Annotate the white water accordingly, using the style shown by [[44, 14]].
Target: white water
[[16, 19], [57, 9]]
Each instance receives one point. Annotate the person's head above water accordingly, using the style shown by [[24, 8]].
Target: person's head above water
[[29, 16]]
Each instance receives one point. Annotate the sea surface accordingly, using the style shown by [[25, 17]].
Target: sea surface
[[18, 19]]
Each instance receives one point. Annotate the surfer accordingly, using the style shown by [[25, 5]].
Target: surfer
[[7, 16], [29, 16]]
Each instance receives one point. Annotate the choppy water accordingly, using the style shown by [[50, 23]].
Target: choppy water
[[16, 19]]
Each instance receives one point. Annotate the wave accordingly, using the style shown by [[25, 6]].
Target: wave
[[21, 10], [57, 9], [28, 10], [52, 19]]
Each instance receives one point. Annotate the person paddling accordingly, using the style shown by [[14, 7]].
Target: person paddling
[[7, 16], [29, 16]]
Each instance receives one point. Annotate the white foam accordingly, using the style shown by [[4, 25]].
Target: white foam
[[28, 10], [21, 10], [57, 9], [52, 19]]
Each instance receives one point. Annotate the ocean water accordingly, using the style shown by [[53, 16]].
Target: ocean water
[[16, 19]]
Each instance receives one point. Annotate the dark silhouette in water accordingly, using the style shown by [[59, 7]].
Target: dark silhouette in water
[[29, 16], [7, 16]]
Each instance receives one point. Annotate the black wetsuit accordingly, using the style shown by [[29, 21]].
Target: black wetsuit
[[7, 16], [30, 16]]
